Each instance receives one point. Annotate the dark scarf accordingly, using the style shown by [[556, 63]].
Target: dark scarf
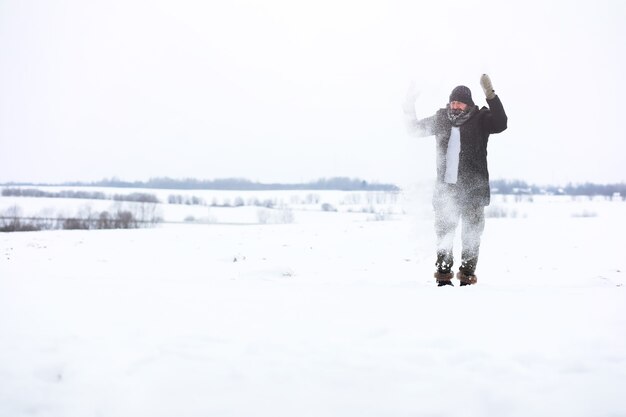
[[457, 117]]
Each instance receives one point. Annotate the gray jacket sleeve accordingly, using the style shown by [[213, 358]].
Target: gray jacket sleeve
[[421, 128]]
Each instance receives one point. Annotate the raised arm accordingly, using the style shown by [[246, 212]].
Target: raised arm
[[496, 120], [415, 127], [420, 128]]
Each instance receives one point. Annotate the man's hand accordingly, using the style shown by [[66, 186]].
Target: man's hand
[[409, 101], [485, 83]]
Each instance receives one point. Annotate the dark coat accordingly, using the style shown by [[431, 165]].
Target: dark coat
[[473, 179]]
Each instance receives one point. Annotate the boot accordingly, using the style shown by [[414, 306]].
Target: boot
[[468, 265], [466, 278], [444, 278]]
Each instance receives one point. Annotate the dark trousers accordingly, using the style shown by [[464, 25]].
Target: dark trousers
[[450, 207]]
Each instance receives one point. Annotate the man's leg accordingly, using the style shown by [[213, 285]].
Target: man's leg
[[446, 220], [473, 218]]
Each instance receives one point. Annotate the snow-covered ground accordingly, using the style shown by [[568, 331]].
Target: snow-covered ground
[[331, 314]]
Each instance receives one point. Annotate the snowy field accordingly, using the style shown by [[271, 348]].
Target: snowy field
[[315, 313]]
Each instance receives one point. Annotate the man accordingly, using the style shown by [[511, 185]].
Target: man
[[462, 188]]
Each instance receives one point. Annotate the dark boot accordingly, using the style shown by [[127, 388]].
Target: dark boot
[[444, 278], [468, 265], [466, 279]]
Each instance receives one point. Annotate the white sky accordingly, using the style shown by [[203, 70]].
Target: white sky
[[292, 91]]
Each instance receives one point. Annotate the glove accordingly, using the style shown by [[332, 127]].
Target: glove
[[485, 83]]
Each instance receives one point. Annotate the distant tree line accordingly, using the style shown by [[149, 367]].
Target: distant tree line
[[336, 183], [31, 192], [137, 198], [586, 189], [89, 195]]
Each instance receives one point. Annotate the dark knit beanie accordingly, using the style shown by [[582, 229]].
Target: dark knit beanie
[[462, 94]]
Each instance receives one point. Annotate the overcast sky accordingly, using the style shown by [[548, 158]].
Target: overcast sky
[[293, 91]]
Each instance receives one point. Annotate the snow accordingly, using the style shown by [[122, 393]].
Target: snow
[[331, 315]]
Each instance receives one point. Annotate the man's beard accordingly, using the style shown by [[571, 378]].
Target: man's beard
[[455, 112], [457, 116]]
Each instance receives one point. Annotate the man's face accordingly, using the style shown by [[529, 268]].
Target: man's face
[[457, 105]]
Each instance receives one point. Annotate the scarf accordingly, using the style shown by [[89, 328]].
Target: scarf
[[458, 117], [452, 156]]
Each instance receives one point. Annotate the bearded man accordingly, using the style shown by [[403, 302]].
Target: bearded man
[[462, 191]]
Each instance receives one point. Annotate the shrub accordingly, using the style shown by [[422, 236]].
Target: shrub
[[496, 211], [137, 197], [265, 216], [12, 221], [104, 221], [328, 207], [585, 214]]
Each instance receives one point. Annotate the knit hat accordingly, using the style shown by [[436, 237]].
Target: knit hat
[[462, 94]]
